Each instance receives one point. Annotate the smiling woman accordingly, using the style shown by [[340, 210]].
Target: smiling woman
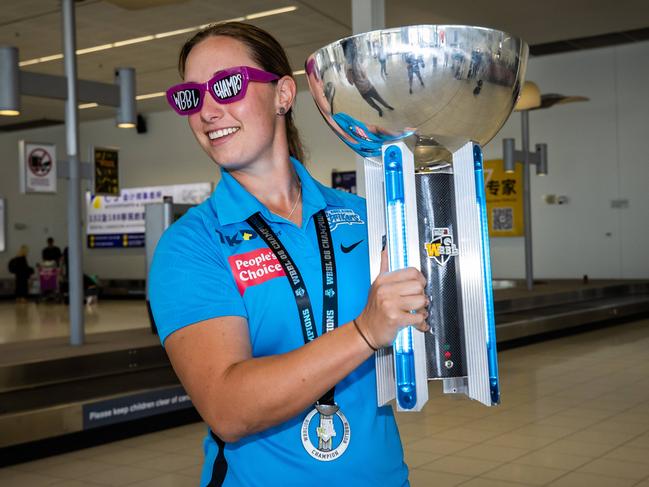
[[254, 290]]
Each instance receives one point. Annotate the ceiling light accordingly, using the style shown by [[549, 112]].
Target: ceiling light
[[299, 72], [9, 82], [135, 40], [268, 13], [150, 95], [161, 35], [83, 106], [94, 49]]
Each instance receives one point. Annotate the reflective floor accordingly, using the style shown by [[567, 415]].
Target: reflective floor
[[575, 413], [31, 321]]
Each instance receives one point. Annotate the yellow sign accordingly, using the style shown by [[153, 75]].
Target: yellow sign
[[504, 193]]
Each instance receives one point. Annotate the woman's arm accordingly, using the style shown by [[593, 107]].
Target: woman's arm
[[238, 395]]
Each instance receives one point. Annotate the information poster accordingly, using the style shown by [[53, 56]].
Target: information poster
[[118, 221], [105, 171], [344, 181], [37, 167], [504, 193]]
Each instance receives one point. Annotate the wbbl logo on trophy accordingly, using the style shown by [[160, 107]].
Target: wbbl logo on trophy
[[442, 247]]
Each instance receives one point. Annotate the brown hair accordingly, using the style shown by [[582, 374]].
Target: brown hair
[[265, 51]]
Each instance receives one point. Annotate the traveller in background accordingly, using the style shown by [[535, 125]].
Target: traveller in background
[[51, 252], [261, 294], [19, 267]]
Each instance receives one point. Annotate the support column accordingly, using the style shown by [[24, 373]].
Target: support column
[[367, 15], [527, 199], [75, 279]]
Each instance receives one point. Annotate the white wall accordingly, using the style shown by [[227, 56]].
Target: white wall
[[596, 153]]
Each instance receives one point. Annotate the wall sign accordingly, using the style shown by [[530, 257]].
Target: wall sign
[[37, 167], [118, 221], [105, 171], [504, 193], [344, 181]]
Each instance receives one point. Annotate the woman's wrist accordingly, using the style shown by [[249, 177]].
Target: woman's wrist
[[365, 336]]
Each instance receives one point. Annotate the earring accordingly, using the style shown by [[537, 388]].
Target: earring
[[282, 111]]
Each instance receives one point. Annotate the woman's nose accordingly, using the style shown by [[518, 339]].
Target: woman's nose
[[211, 110]]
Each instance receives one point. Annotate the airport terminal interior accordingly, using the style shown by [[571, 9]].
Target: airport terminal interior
[[546, 263]]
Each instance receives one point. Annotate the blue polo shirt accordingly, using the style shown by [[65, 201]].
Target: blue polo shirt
[[211, 263]]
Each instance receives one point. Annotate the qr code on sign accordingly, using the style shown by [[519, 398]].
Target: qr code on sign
[[503, 219]]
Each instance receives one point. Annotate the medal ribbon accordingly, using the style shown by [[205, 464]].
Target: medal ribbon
[[298, 286]]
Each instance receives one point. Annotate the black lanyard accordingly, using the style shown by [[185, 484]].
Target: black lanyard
[[298, 286]]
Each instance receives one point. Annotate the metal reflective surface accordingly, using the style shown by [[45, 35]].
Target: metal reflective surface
[[441, 84]]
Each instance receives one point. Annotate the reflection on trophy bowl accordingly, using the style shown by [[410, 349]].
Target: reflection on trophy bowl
[[444, 85]]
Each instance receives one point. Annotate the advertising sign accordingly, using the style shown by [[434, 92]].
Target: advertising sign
[[118, 221], [105, 173], [504, 199], [37, 167]]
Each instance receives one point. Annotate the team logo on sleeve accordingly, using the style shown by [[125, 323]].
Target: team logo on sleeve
[[442, 247], [343, 216], [254, 267]]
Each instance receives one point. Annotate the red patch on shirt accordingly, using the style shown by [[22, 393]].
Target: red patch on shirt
[[254, 267]]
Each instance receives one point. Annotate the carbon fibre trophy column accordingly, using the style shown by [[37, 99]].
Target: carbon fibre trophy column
[[417, 103]]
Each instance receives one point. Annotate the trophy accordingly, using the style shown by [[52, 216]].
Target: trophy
[[418, 103]]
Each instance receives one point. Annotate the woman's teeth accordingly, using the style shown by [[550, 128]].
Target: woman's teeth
[[217, 134]]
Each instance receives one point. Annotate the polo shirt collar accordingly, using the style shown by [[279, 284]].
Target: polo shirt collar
[[234, 204]]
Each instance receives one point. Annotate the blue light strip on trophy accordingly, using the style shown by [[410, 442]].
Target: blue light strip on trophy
[[492, 354], [398, 259]]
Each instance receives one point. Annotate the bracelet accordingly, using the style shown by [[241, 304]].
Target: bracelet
[[363, 336]]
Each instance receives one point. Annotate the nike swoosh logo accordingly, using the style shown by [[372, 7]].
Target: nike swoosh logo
[[347, 250]]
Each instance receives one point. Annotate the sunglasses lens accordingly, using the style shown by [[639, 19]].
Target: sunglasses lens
[[228, 88], [186, 100]]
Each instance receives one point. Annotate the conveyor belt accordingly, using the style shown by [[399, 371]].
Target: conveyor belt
[[45, 398]]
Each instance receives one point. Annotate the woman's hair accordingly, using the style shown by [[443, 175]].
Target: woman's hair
[[23, 250], [265, 51]]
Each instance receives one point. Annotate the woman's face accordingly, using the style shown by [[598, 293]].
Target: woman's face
[[250, 124]]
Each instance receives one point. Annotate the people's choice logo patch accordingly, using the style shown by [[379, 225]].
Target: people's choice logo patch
[[254, 267]]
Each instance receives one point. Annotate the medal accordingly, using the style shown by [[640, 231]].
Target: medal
[[325, 434]]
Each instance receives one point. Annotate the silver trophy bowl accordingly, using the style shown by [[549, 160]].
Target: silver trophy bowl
[[437, 86]]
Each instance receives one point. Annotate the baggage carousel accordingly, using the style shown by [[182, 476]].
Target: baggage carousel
[[51, 392]]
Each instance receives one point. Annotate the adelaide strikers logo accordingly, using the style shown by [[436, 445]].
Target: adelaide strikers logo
[[442, 247], [343, 216], [325, 433]]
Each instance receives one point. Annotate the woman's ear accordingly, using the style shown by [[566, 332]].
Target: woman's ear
[[285, 95]]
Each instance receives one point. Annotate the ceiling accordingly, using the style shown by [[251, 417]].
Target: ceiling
[[34, 27]]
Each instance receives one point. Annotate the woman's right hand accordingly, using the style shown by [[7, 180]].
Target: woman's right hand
[[397, 299]]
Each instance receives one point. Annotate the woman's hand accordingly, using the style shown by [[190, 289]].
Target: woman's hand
[[396, 300]]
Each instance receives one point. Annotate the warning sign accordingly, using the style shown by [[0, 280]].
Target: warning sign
[[37, 167]]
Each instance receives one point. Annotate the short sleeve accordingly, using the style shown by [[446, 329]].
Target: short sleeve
[[189, 280]]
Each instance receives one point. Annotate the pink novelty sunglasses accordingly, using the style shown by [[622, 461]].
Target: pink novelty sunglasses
[[226, 86]]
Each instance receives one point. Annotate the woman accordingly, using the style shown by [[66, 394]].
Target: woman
[[21, 269], [244, 285]]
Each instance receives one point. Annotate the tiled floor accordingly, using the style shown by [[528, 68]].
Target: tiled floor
[[575, 413], [35, 321]]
